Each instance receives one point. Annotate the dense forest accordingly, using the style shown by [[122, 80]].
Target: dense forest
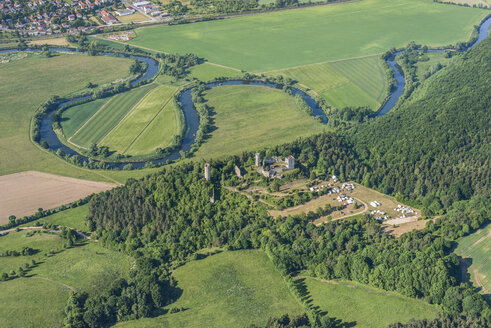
[[435, 146], [433, 150]]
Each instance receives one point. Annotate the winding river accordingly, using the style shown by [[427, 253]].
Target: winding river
[[190, 113]]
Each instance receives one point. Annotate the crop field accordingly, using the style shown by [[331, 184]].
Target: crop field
[[364, 306], [159, 133], [112, 112], [476, 251], [265, 42], [252, 117], [86, 266], [40, 78], [73, 118], [23, 193], [353, 82], [230, 289], [207, 72], [134, 135]]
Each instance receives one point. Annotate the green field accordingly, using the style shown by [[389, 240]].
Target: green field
[[476, 250], [40, 78], [73, 218], [230, 289], [207, 72], [290, 38], [112, 112], [160, 132], [252, 117], [353, 82], [366, 306], [148, 126], [74, 117], [38, 299], [435, 58]]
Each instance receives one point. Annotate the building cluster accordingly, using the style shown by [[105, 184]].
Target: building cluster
[[345, 199], [272, 167], [45, 17], [150, 9], [375, 203]]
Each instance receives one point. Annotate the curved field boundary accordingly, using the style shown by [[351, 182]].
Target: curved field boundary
[[149, 123], [132, 108]]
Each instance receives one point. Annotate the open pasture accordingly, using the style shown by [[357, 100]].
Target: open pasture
[[110, 114], [72, 218], [264, 42], [251, 117], [73, 118], [23, 193], [207, 72], [126, 137], [38, 299], [366, 307], [230, 289], [476, 251], [40, 78], [353, 82]]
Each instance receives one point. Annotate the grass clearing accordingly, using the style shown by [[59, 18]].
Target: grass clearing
[[282, 39], [352, 82], [105, 120], [250, 117], [424, 67], [32, 302], [230, 289], [127, 132], [38, 299], [73, 218], [365, 306], [476, 251]]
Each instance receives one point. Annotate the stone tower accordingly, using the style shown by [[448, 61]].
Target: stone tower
[[258, 159], [207, 171], [290, 162]]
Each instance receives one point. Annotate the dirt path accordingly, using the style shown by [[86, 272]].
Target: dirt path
[[475, 273], [365, 209], [233, 189], [56, 282], [78, 232]]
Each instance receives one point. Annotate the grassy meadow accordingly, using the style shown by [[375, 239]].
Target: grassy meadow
[[40, 78], [86, 266], [73, 218], [353, 82], [134, 135], [250, 117], [264, 42], [476, 251], [108, 117], [364, 306], [230, 289], [207, 72]]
